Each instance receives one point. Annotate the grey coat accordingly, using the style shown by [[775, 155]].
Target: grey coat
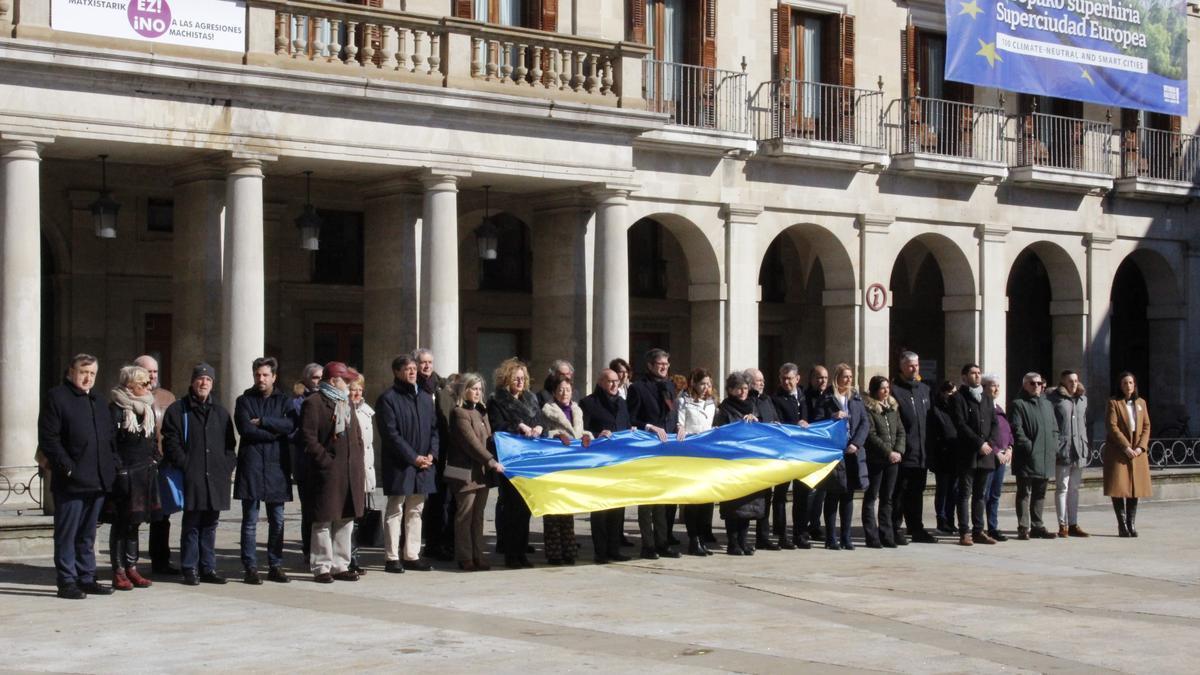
[[1071, 413]]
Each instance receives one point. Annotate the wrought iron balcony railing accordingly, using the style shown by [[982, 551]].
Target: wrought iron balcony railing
[[697, 96], [1054, 141], [796, 110], [1161, 155], [946, 128]]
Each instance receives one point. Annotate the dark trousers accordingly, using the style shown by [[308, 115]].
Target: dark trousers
[[908, 499], [198, 540], [880, 489], [652, 522], [737, 531], [250, 533], [972, 489], [607, 528], [806, 509], [777, 507], [945, 498], [839, 506], [75, 517], [160, 542], [995, 488], [516, 520], [123, 541], [1031, 496], [671, 510], [437, 520], [697, 518], [762, 526]]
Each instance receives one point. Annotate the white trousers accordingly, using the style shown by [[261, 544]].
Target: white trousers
[[1066, 493], [331, 546], [409, 508]]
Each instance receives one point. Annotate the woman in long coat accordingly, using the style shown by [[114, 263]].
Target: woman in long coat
[[738, 513], [468, 460], [564, 420], [694, 414], [885, 449], [851, 472], [1126, 463], [514, 409], [136, 436]]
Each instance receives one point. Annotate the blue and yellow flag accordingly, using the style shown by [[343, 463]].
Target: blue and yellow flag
[[634, 467]]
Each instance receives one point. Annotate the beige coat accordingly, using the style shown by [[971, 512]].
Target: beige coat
[[1125, 477], [557, 422], [468, 451]]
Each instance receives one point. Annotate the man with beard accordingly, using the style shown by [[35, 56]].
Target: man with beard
[[915, 401], [605, 413], [651, 408]]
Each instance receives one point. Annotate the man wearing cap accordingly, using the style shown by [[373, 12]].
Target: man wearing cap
[[337, 474], [198, 438]]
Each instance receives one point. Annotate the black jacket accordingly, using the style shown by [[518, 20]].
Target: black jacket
[[819, 405], [914, 401], [264, 458], [602, 412], [764, 407], [406, 419], [75, 433], [650, 401], [507, 413], [791, 408], [199, 439], [975, 424], [851, 472], [941, 442]]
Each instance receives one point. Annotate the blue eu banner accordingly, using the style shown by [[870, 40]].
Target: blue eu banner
[[1122, 53]]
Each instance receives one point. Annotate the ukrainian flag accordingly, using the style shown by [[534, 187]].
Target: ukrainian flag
[[634, 467]]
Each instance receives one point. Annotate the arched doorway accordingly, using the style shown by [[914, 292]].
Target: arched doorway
[[806, 314], [1044, 327], [674, 304], [933, 307], [1147, 318]]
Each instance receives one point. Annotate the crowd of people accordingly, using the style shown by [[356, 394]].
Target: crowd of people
[[126, 459]]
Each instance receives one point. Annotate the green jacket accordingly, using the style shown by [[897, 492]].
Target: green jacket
[[886, 430], [1035, 436]]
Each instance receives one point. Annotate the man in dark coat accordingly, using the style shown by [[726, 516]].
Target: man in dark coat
[[407, 424], [819, 405], [915, 402], [764, 410], [265, 421], [790, 408], [75, 433], [437, 517], [337, 473], [605, 413], [651, 402], [311, 380], [1035, 447], [198, 438], [974, 414]]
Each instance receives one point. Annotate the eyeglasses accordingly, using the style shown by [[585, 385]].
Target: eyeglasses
[[1038, 383]]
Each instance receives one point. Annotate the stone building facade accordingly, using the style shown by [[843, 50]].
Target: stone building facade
[[743, 183]]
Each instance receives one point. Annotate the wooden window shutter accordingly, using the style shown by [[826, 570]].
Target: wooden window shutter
[[1175, 124], [465, 9], [845, 61], [908, 59], [783, 41], [541, 15], [846, 43], [637, 20], [1131, 150], [708, 33]]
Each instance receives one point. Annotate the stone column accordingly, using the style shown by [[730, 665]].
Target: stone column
[[391, 278], [843, 310], [962, 332], [20, 300], [993, 296], [742, 258], [610, 325], [439, 270], [563, 242], [1096, 376], [710, 333], [874, 268], [198, 251], [244, 280], [1069, 321]]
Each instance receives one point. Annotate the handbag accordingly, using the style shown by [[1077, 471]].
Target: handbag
[[170, 479]]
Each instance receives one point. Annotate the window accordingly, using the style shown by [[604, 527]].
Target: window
[[160, 215], [510, 271], [936, 121], [1052, 133], [340, 258], [647, 267], [338, 342], [814, 63], [666, 29]]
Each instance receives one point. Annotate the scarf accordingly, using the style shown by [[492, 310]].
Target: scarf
[[742, 407], [135, 407], [976, 393], [341, 407]]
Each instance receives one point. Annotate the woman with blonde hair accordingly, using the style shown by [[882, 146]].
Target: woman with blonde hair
[[514, 409], [468, 460], [851, 473], [136, 494]]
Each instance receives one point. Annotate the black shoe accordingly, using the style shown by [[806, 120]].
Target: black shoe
[[901, 540], [874, 543], [71, 592], [694, 547], [278, 576], [525, 561], [766, 545], [786, 544], [190, 578], [417, 565], [943, 526], [649, 554], [1042, 533], [393, 567], [354, 567], [815, 532], [847, 545], [888, 543], [512, 562], [672, 540], [734, 550], [600, 560], [997, 535], [251, 577], [345, 576], [530, 549], [667, 552], [619, 557], [165, 570], [922, 536], [802, 542], [94, 588], [625, 542], [211, 577], [832, 545]]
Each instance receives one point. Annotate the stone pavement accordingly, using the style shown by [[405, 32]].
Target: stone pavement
[[1101, 604]]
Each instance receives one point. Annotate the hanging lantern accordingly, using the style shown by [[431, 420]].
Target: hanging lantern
[[487, 235], [309, 223], [104, 209]]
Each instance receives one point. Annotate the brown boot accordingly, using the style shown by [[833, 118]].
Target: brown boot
[[1063, 532], [136, 579], [120, 581], [982, 537], [1077, 531], [965, 540]]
